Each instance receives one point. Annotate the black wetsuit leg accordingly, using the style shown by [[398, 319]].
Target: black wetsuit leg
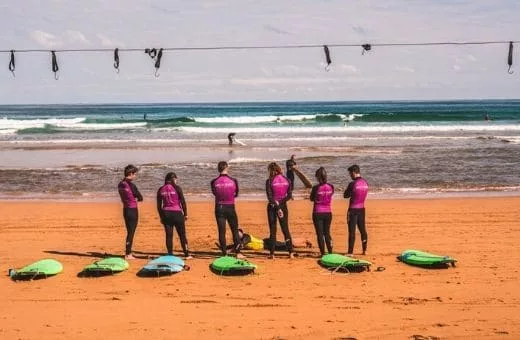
[[278, 246], [272, 218], [223, 214], [356, 217], [180, 226], [169, 223], [284, 225], [290, 176], [327, 220], [319, 222], [131, 217]]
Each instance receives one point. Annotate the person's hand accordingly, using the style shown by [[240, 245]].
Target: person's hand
[[186, 217], [280, 213]]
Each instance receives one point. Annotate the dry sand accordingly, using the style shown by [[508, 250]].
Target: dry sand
[[285, 299]]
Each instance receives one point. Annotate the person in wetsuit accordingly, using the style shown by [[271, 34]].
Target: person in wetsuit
[[290, 164], [321, 195], [231, 138], [225, 189], [279, 190], [248, 241], [173, 212], [129, 196], [357, 191]]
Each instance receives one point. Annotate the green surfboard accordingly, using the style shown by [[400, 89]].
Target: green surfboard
[[341, 262], [424, 259], [37, 270], [227, 265], [107, 266]]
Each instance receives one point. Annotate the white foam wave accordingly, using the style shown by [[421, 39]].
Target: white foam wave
[[358, 129], [18, 124]]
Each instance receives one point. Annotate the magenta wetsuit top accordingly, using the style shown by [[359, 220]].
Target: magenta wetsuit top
[[321, 195], [129, 194], [171, 198], [357, 190], [278, 189], [225, 189]]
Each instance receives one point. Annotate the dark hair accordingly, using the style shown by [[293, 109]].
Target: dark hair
[[170, 176], [274, 169], [222, 166], [130, 169], [321, 175], [354, 169]]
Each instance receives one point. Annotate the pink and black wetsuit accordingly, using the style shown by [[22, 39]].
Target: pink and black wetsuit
[[279, 191], [172, 209], [357, 191], [225, 189], [129, 196], [321, 195]]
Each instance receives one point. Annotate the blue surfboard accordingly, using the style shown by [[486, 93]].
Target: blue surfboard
[[164, 265]]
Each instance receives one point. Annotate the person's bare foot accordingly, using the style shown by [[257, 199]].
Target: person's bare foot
[[271, 257], [240, 256], [349, 255], [129, 257], [291, 255], [189, 257]]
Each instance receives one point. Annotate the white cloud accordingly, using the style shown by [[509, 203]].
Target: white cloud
[[348, 69], [45, 39], [76, 36]]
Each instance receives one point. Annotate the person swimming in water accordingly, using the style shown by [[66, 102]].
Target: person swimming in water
[[279, 190], [173, 212], [357, 191], [129, 196], [225, 190], [321, 195]]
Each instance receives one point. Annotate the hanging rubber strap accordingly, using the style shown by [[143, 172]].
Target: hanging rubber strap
[[510, 58], [151, 52], [116, 59], [327, 57], [12, 65], [158, 62], [366, 48], [55, 67]]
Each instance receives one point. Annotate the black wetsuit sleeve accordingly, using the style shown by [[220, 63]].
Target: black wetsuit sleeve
[[159, 203], [348, 191], [313, 193], [269, 192], [136, 192], [181, 198], [289, 192], [236, 185], [213, 187]]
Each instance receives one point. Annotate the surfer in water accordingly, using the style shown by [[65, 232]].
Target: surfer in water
[[279, 190], [129, 196], [357, 191], [173, 212], [321, 195], [225, 190], [231, 138]]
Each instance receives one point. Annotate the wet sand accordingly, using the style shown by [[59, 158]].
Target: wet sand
[[285, 299]]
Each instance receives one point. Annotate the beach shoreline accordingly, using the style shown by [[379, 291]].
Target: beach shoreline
[[289, 299]]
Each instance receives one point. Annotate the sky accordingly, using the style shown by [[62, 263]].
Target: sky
[[385, 73]]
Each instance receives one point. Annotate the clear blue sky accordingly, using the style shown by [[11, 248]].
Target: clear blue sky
[[387, 73]]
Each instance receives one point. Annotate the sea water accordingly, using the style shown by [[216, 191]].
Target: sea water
[[403, 148]]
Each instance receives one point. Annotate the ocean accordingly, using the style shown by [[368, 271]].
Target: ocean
[[404, 149]]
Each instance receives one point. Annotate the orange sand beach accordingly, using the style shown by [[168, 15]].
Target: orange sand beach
[[284, 299]]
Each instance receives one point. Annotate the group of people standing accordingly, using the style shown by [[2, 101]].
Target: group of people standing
[[172, 208]]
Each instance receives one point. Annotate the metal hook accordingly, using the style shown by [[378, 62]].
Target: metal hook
[[156, 74]]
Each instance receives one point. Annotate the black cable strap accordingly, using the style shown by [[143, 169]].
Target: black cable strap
[[116, 59], [55, 67], [12, 65], [327, 57]]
